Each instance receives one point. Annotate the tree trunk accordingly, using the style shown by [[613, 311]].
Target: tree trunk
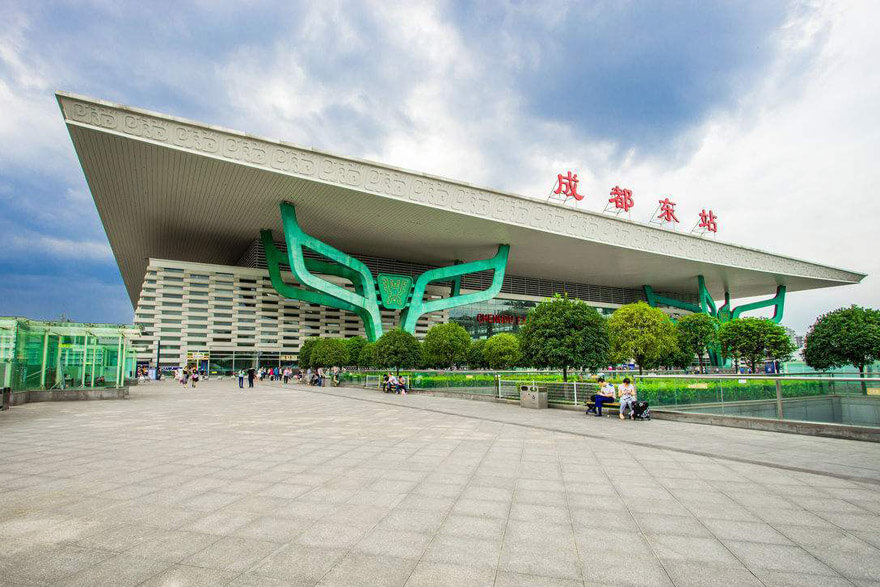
[[639, 360], [398, 371], [565, 372]]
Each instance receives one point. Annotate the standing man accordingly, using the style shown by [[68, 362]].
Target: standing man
[[251, 374], [241, 375]]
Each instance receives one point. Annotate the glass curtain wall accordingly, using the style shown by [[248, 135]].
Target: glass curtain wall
[[59, 355]]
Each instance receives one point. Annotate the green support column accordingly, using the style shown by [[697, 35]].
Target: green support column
[[43, 363], [418, 306]]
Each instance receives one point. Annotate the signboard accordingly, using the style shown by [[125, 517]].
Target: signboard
[[500, 319], [394, 290]]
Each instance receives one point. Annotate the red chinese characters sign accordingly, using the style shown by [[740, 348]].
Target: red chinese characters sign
[[567, 186], [667, 211], [500, 319], [708, 221], [621, 198]]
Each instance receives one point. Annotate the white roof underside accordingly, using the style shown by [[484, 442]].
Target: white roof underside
[[174, 189]]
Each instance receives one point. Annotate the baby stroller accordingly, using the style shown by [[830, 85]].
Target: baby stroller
[[641, 411]]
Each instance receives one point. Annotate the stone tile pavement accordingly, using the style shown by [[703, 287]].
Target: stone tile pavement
[[305, 486]]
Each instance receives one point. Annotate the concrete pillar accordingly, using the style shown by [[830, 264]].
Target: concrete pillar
[[94, 361], [119, 362], [58, 373]]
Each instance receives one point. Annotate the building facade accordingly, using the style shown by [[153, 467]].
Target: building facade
[[235, 248]]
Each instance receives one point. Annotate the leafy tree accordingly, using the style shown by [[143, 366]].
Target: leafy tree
[[502, 351], [560, 333], [475, 358], [446, 345], [696, 334], [367, 356], [355, 344], [398, 348], [305, 352], [675, 358], [846, 336], [754, 340], [329, 352], [640, 332]]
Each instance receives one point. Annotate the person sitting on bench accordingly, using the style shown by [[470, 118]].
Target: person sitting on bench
[[627, 392], [605, 396], [401, 385]]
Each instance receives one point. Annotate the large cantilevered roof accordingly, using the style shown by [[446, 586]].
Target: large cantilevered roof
[[175, 189]]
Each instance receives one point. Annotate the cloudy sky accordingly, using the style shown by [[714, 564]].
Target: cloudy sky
[[767, 112]]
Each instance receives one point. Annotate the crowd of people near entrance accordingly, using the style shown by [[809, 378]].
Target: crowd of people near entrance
[[285, 375]]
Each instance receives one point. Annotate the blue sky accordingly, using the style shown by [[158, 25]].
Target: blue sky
[[764, 110]]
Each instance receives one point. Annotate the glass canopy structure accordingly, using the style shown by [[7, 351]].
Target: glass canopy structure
[[64, 355]]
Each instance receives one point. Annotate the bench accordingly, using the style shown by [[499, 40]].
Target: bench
[[605, 406]]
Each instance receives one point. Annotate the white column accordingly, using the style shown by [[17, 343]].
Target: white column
[[43, 364], [85, 359], [119, 366]]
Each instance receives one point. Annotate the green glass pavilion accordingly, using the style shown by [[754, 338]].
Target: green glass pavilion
[[65, 355]]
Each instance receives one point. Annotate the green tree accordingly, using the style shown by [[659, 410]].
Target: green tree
[[446, 345], [398, 349], [355, 344], [367, 356], [560, 333], [305, 352], [696, 334], [476, 359], [329, 352], [846, 336], [754, 340], [640, 332], [675, 358], [502, 351]]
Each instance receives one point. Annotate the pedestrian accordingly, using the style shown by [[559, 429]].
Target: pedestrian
[[251, 374], [627, 393], [241, 375], [195, 378]]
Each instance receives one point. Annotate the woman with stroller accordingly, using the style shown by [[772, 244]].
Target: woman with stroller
[[626, 391]]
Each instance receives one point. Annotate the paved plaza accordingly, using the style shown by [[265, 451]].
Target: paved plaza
[[305, 486]]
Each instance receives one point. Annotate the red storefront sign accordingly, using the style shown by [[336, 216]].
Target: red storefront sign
[[500, 319]]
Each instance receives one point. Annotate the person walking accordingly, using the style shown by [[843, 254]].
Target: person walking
[[241, 375], [251, 374], [195, 378], [627, 393]]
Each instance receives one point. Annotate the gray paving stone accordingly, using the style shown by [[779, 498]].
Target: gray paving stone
[[184, 576], [172, 545], [232, 553], [345, 474], [360, 569], [394, 543], [692, 549], [507, 579], [457, 550], [778, 557], [122, 570], [432, 574], [696, 573]]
